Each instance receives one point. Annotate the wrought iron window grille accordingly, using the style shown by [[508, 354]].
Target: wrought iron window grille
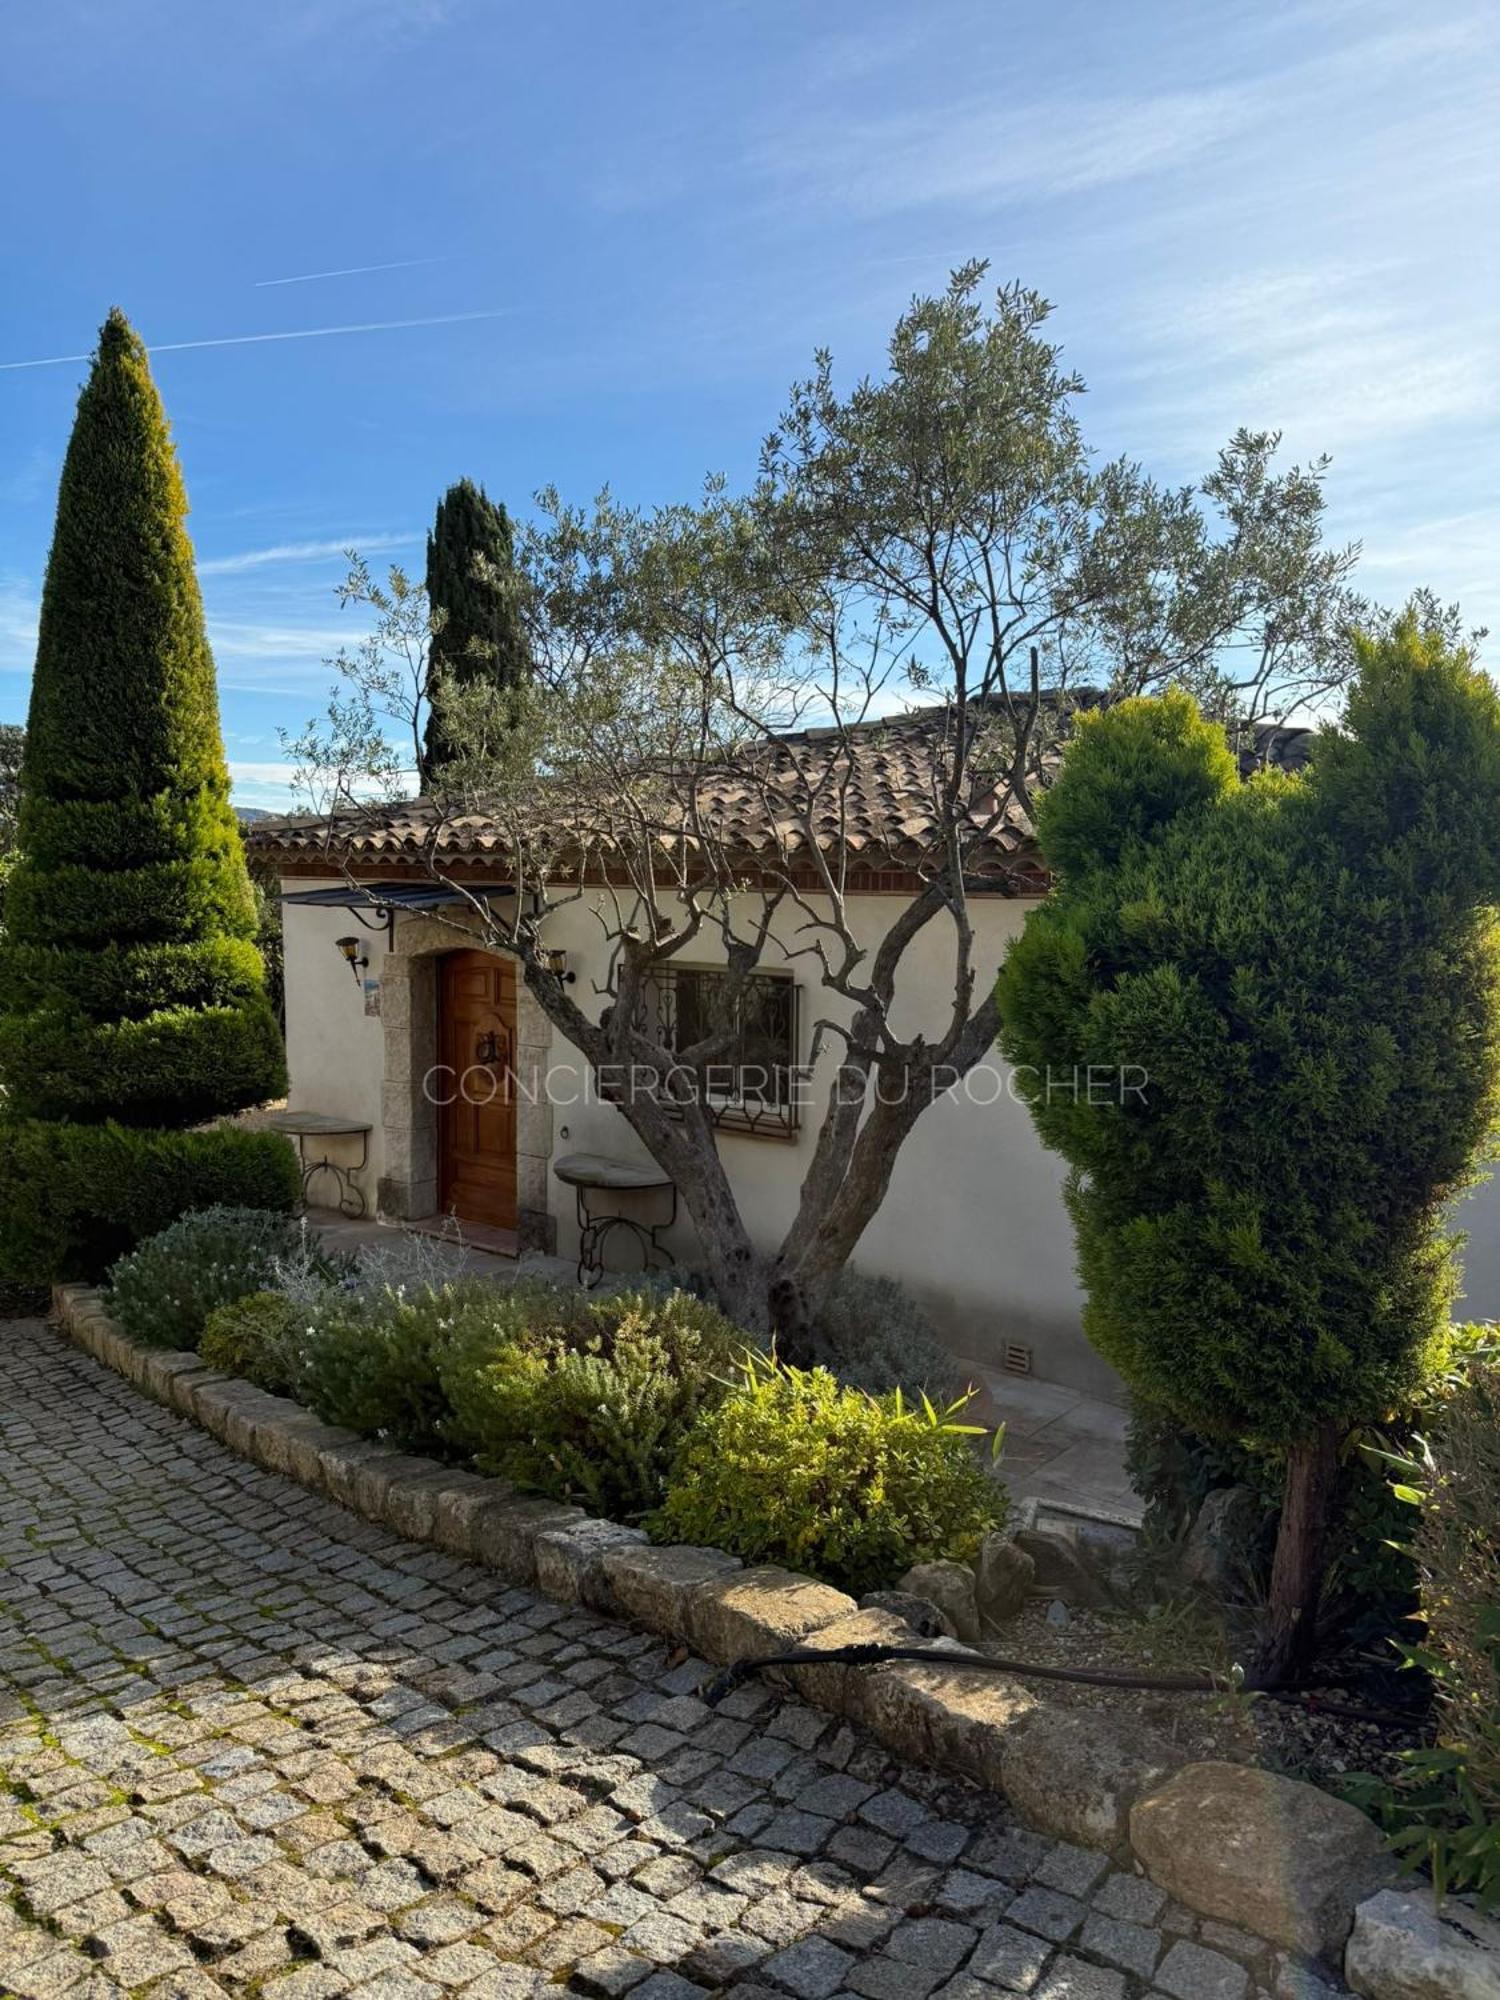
[[756, 1087]]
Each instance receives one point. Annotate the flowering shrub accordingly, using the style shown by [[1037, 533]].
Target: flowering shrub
[[794, 1468], [163, 1292], [370, 1355]]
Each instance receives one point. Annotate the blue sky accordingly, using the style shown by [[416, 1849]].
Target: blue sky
[[626, 229]]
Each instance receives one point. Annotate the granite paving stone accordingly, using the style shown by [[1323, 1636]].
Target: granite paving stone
[[254, 1745]]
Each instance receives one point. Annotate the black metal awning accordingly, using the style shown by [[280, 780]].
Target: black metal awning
[[390, 898], [384, 901]]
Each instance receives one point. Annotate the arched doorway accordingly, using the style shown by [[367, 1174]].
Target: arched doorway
[[476, 1151]]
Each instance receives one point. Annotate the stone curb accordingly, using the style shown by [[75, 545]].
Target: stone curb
[[1277, 1856]]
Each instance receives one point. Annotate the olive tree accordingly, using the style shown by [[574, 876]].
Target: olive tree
[[936, 538]]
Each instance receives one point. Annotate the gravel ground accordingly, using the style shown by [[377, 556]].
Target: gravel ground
[[1320, 1747]]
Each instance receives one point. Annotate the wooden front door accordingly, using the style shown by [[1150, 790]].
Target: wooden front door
[[477, 1088]]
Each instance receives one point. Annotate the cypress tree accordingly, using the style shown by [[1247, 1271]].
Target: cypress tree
[[471, 593], [131, 992]]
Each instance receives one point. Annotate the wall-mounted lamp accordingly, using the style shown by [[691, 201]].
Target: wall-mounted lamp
[[348, 949], [556, 961]]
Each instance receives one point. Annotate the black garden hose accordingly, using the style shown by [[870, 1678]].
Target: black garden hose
[[873, 1653]]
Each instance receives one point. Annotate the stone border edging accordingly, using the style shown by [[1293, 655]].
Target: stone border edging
[[1268, 1853]]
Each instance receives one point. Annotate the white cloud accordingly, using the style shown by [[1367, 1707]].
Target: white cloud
[[989, 149], [262, 784], [1331, 355], [298, 552], [18, 626]]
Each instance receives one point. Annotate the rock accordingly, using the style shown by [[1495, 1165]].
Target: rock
[[1058, 1614], [1068, 1565], [842, 1688], [950, 1586], [376, 1477], [505, 1533], [459, 1506], [1075, 1774], [570, 1561], [291, 1446], [1278, 1857], [926, 1619], [949, 1715], [414, 1504], [1220, 1550], [653, 1586], [758, 1611], [1294, 1979], [339, 1460], [1003, 1577], [1403, 1948]]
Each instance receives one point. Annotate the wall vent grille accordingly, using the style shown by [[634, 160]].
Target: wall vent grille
[[1017, 1358]]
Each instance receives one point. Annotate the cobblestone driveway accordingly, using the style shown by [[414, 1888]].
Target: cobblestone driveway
[[250, 1744]]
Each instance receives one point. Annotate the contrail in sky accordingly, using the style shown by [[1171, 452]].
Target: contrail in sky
[[299, 333], [351, 271]]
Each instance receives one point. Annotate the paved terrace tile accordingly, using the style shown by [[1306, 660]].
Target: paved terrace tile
[[251, 1745]]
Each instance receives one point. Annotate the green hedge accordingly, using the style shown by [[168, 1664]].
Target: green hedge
[[163, 902], [130, 832], [186, 1062], [130, 981], [74, 1197]]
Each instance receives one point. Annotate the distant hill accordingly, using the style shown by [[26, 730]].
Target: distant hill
[[248, 815]]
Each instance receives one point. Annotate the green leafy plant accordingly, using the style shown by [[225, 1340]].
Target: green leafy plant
[[163, 1292], [590, 1401], [259, 1338], [794, 1468], [1295, 983], [1443, 1809]]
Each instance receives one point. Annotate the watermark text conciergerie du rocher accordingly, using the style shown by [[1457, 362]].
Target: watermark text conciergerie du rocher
[[1097, 1084]]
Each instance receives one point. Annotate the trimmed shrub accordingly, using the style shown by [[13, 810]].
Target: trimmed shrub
[[792, 1468], [163, 1292], [259, 1338], [591, 1405], [74, 1197], [130, 987], [871, 1333], [1301, 975]]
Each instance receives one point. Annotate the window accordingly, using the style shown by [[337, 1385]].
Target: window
[[755, 1085]]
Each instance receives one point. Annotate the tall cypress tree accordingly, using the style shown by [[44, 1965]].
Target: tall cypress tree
[[132, 1002], [471, 590]]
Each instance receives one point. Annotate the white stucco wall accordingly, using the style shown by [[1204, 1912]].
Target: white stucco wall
[[1478, 1215], [335, 1052], [973, 1223]]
